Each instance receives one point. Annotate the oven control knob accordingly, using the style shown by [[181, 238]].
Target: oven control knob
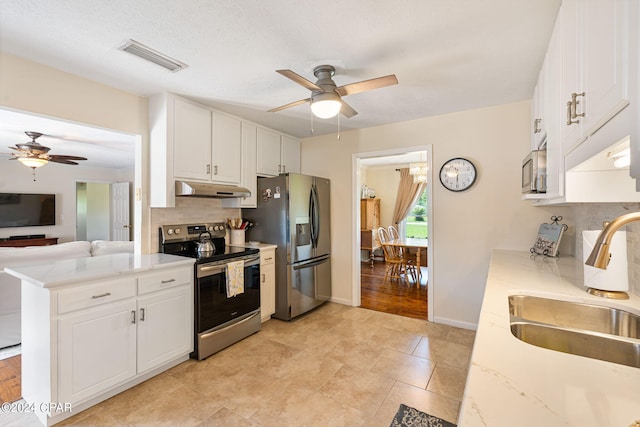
[[211, 228], [170, 231], [177, 231]]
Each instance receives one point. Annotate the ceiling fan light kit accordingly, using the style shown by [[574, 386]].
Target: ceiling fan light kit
[[325, 105], [32, 162]]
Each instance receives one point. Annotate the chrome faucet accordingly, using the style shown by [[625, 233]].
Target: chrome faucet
[[600, 255]]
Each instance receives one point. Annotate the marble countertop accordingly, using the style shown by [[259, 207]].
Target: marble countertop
[[71, 271], [514, 383]]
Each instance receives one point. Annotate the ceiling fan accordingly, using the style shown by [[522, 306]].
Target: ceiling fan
[[34, 155], [326, 98]]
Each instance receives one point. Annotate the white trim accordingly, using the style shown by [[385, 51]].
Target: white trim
[[340, 301], [355, 220], [455, 323]]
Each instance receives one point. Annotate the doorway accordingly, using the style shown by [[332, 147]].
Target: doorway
[[390, 296], [102, 211]]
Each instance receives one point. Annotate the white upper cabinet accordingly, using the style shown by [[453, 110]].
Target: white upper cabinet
[[226, 149], [290, 154], [249, 178], [277, 153], [191, 140], [595, 65]]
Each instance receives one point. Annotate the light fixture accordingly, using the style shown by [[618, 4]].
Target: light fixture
[[419, 168], [418, 179], [33, 162], [621, 159], [145, 52], [325, 105]]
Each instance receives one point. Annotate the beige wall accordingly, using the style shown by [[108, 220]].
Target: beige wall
[[384, 180], [467, 225], [34, 88]]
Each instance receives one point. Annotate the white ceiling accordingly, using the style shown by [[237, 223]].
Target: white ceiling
[[448, 55]]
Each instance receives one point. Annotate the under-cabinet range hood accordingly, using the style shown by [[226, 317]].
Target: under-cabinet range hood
[[210, 190]]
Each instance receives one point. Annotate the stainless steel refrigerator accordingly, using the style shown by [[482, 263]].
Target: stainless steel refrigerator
[[294, 213]]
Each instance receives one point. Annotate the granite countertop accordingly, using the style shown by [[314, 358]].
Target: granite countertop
[[70, 271], [513, 383]]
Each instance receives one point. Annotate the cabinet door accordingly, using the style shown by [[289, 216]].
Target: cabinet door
[[268, 151], [226, 149], [191, 141], [290, 155], [249, 178], [605, 33], [267, 290], [165, 326], [572, 81], [96, 350]]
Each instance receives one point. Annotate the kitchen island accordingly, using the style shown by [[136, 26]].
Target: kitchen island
[[94, 327], [511, 382]]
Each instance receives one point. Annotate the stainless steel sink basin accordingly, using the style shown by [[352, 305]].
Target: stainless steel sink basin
[[586, 330], [575, 315]]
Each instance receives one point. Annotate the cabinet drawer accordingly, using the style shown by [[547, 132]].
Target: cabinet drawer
[[164, 279], [267, 257], [96, 294]]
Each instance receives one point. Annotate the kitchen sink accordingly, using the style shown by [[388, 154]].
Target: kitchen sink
[[587, 330], [590, 317]]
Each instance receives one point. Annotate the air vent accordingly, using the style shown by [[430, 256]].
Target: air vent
[[138, 49]]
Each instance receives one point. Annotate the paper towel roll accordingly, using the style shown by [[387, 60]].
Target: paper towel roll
[[616, 276]]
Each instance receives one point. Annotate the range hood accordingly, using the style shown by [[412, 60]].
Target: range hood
[[210, 190]]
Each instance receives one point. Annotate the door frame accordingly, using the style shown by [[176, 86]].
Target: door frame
[[356, 184]]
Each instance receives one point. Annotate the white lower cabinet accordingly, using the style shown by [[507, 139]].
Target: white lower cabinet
[[90, 340], [164, 319], [267, 283], [96, 350]]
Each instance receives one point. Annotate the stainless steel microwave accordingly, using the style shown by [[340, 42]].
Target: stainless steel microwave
[[534, 172]]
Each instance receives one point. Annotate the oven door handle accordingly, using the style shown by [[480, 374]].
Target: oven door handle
[[210, 270]]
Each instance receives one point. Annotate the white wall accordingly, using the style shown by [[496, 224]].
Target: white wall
[[467, 225], [34, 88], [54, 179], [98, 211]]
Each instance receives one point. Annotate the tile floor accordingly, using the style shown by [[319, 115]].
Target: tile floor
[[336, 366]]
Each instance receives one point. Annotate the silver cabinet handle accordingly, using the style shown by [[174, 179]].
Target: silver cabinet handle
[[208, 169], [575, 102], [279, 168], [164, 282], [133, 317], [142, 314], [284, 168], [215, 170], [569, 117], [264, 277], [268, 259], [536, 126], [106, 294]]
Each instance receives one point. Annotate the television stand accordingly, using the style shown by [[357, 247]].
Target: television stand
[[21, 243]]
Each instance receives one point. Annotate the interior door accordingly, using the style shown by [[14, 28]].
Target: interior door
[[120, 220]]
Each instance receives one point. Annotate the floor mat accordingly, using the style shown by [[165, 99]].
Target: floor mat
[[411, 417]]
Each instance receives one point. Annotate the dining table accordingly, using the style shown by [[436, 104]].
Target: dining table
[[412, 243]]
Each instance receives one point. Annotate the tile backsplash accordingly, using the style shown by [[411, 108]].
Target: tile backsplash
[[589, 216], [189, 210]]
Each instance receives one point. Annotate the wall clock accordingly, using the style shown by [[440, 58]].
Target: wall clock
[[458, 174]]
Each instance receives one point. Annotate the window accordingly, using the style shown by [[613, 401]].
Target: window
[[416, 223]]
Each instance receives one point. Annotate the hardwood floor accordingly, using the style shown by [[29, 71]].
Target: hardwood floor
[[10, 389], [392, 296]]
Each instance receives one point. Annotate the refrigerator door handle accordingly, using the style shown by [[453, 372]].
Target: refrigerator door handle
[[311, 263], [315, 217]]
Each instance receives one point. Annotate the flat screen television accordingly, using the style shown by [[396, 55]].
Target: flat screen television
[[27, 210]]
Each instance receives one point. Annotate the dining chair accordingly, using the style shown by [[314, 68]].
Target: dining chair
[[407, 257], [392, 259]]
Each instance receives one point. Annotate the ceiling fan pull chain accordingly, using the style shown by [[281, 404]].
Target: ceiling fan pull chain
[[33, 172], [311, 115]]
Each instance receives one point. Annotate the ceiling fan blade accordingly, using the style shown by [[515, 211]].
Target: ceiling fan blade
[[365, 85], [292, 104], [299, 79], [63, 157], [63, 161], [347, 110]]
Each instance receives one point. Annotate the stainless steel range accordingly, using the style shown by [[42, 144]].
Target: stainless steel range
[[220, 319]]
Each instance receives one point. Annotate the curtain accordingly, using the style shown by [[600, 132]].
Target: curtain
[[408, 192]]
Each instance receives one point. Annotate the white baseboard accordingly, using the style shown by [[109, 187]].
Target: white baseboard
[[455, 323], [341, 301]]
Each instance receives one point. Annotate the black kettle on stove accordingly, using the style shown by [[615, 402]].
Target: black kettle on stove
[[205, 244]]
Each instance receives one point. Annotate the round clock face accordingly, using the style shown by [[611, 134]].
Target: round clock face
[[457, 174]]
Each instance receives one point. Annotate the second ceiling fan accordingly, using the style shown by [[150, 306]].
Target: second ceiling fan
[[326, 97]]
